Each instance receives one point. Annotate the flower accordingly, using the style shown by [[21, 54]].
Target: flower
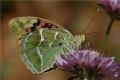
[[89, 64], [112, 7]]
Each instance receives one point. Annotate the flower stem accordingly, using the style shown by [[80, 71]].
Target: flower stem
[[107, 33], [109, 27]]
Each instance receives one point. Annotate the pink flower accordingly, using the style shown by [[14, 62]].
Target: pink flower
[[89, 64], [111, 6]]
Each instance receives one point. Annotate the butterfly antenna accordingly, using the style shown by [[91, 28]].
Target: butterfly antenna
[[87, 26], [93, 33]]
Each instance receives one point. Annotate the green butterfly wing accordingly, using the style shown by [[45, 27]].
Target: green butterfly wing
[[19, 24], [39, 47]]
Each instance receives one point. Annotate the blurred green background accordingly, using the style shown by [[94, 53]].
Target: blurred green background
[[74, 15]]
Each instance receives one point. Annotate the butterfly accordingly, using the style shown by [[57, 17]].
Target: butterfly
[[40, 41]]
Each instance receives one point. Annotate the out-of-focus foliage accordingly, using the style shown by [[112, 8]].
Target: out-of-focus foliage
[[6, 6]]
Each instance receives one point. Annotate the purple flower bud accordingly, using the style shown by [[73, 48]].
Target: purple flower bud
[[89, 63]]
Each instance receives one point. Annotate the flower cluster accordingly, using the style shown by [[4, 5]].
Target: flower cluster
[[112, 7], [89, 65]]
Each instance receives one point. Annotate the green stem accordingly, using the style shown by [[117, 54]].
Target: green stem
[[109, 27], [107, 33], [84, 75]]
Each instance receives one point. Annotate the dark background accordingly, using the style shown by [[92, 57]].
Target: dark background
[[74, 15]]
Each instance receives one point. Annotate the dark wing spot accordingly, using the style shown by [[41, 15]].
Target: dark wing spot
[[28, 30], [38, 22], [35, 25], [47, 25], [60, 44], [32, 28], [56, 27]]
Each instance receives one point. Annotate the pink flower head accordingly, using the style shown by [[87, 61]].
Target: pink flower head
[[111, 6], [89, 63]]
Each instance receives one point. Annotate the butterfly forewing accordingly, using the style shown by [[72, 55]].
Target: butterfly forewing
[[24, 25]]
